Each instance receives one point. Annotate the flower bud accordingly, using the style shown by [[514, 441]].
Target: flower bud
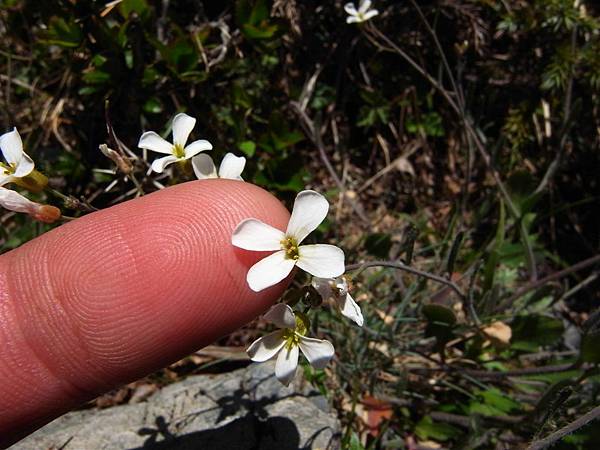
[[13, 201], [121, 161], [47, 214]]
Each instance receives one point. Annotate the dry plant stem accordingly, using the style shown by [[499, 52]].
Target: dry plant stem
[[553, 167], [315, 136], [554, 276], [405, 268], [487, 374], [465, 422], [571, 428], [458, 108], [431, 31]]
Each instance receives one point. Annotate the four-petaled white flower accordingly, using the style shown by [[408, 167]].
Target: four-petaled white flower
[[177, 151], [18, 164], [286, 342], [363, 13], [231, 167], [337, 289], [320, 260], [13, 201]]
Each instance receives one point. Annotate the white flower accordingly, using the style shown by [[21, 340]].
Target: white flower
[[337, 289], [18, 163], [285, 344], [13, 201], [177, 151], [231, 167], [320, 260], [363, 13]]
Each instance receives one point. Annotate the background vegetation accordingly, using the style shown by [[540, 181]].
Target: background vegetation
[[459, 137]]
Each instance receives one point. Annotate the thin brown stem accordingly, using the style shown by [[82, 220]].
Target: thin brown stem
[[554, 276], [400, 266], [570, 428]]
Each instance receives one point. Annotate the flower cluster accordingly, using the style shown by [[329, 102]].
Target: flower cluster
[[19, 169], [323, 261]]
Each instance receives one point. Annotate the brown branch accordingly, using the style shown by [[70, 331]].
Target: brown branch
[[570, 428], [405, 268], [509, 373], [554, 276], [315, 136]]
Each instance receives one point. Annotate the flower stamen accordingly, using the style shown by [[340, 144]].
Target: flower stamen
[[178, 151], [9, 169], [290, 245]]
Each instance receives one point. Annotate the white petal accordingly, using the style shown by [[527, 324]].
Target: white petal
[[12, 146], [318, 352], [310, 209], [232, 167], [323, 286], [321, 260], [370, 14], [282, 316], [350, 309], [196, 147], [24, 166], [204, 167], [342, 285], [158, 165], [182, 127], [13, 201], [4, 179], [252, 234], [353, 19], [287, 362], [364, 6], [350, 9], [154, 142], [266, 347], [269, 271]]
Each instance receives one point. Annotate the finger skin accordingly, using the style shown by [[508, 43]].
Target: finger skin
[[116, 294]]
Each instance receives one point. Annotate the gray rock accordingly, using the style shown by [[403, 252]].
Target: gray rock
[[245, 409]]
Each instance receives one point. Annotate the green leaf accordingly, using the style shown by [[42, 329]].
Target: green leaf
[[126, 7], [379, 244], [439, 314], [428, 429], [534, 331], [440, 324], [62, 33], [248, 148], [96, 77], [590, 348], [153, 106], [495, 398]]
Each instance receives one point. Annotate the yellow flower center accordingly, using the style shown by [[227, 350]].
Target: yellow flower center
[[292, 337], [178, 151], [8, 169], [290, 246]]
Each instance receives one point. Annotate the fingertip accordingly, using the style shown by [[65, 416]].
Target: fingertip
[[118, 293]]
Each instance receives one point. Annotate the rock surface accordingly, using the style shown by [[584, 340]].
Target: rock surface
[[244, 409]]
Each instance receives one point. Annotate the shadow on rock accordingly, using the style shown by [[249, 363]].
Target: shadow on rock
[[248, 432]]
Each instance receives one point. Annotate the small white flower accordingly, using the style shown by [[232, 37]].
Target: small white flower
[[363, 13], [320, 260], [13, 201], [177, 151], [285, 344], [18, 163], [337, 289], [231, 167]]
